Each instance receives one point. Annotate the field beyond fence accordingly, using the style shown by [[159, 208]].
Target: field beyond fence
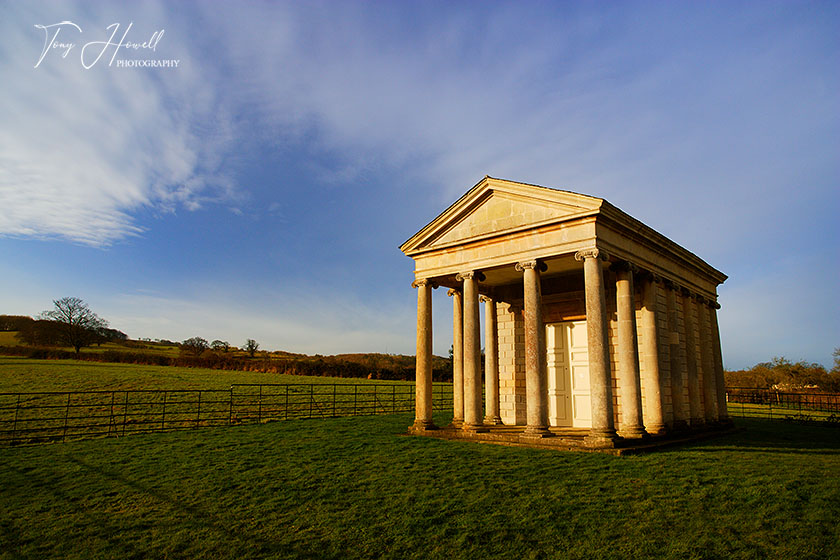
[[62, 415], [785, 405], [37, 417]]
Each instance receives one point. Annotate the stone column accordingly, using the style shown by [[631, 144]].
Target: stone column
[[423, 375], [491, 362], [629, 381], [457, 357], [602, 433], [720, 382], [649, 350], [707, 363], [695, 411], [678, 403], [472, 352], [536, 374]]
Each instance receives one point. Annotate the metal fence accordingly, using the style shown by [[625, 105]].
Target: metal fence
[[62, 415], [784, 405]]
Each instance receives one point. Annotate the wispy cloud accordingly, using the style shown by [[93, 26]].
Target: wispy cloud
[[82, 150]]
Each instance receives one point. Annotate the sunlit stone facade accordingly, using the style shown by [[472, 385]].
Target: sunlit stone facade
[[593, 321]]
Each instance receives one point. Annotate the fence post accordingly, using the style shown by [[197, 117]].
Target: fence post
[[230, 407], [66, 415], [14, 425], [198, 413], [125, 412], [111, 421]]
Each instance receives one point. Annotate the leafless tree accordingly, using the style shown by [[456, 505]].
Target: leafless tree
[[251, 346], [77, 325]]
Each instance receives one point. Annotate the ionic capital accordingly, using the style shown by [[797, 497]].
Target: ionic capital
[[423, 282], [625, 266], [650, 275], [591, 253], [469, 275], [484, 299], [453, 292], [531, 265], [671, 285]]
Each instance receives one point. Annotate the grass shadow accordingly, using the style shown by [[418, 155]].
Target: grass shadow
[[759, 434]]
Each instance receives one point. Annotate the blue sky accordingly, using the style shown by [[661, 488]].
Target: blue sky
[[261, 188]]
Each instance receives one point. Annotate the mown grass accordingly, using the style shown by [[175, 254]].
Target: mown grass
[[19, 374], [355, 488], [770, 411], [8, 338]]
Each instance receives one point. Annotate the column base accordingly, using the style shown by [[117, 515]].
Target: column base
[[657, 430], [456, 423], [475, 428], [601, 439], [635, 432], [536, 432], [493, 420], [421, 426]]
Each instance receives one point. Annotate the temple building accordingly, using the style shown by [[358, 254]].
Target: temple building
[[596, 326]]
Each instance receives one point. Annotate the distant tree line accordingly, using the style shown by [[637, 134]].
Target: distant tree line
[[350, 366], [782, 374]]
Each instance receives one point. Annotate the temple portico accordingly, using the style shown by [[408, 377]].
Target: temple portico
[[594, 324]]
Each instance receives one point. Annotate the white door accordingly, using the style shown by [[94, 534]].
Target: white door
[[559, 390], [568, 375]]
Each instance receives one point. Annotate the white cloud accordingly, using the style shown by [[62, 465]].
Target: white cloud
[[81, 151]]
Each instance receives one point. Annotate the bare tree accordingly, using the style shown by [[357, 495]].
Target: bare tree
[[251, 346], [195, 346], [77, 325], [220, 345]]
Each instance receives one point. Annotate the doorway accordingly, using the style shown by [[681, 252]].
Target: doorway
[[568, 375]]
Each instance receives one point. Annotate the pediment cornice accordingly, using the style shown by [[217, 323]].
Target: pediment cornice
[[496, 207]]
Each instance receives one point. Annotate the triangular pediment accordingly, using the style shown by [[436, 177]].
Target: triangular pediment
[[497, 206]]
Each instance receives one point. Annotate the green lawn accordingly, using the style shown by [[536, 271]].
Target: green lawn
[[356, 488], [18, 374]]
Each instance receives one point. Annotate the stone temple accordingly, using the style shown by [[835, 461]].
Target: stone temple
[[598, 330]]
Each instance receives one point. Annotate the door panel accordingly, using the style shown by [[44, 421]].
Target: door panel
[[559, 409], [568, 375]]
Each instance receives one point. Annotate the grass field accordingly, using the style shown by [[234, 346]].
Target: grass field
[[355, 488], [9, 338], [24, 374]]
